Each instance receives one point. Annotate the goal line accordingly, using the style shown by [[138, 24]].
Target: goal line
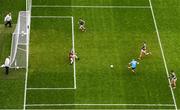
[[146, 105], [86, 6]]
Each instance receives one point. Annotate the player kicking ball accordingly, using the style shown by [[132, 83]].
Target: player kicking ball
[[82, 25], [132, 65], [72, 57], [173, 79], [143, 51]]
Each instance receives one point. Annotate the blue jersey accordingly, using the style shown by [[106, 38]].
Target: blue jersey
[[133, 64]]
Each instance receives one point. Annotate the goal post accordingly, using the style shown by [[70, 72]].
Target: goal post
[[20, 41], [28, 5]]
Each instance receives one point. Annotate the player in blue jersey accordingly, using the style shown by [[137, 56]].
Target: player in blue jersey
[[132, 65]]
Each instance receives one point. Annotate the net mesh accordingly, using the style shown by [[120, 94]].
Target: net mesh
[[20, 41]]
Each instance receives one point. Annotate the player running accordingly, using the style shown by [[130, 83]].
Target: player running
[[82, 25], [132, 65], [173, 79], [72, 57], [144, 51]]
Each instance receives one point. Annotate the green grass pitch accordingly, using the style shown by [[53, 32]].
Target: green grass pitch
[[113, 36]]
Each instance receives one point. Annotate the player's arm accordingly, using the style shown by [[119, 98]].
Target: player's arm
[[170, 76], [129, 65]]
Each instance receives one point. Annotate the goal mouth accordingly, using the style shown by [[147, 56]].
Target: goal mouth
[[20, 41]]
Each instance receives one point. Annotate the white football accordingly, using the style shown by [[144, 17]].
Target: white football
[[17, 67], [111, 66]]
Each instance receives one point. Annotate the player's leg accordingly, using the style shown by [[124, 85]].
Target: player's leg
[[76, 57], [141, 55], [147, 53], [171, 83], [133, 70], [81, 27], [71, 60], [129, 66], [174, 83], [7, 70], [10, 24], [6, 23]]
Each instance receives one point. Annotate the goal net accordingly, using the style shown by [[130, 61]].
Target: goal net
[[20, 41]]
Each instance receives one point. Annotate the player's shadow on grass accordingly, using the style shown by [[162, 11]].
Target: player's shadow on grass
[[13, 74]]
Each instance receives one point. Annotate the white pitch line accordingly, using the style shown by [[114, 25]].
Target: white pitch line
[[85, 6], [25, 91], [150, 105], [54, 17], [28, 21], [109, 109], [73, 47], [162, 52], [50, 88]]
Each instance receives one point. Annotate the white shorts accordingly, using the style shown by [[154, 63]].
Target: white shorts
[[143, 51], [81, 27], [72, 59]]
